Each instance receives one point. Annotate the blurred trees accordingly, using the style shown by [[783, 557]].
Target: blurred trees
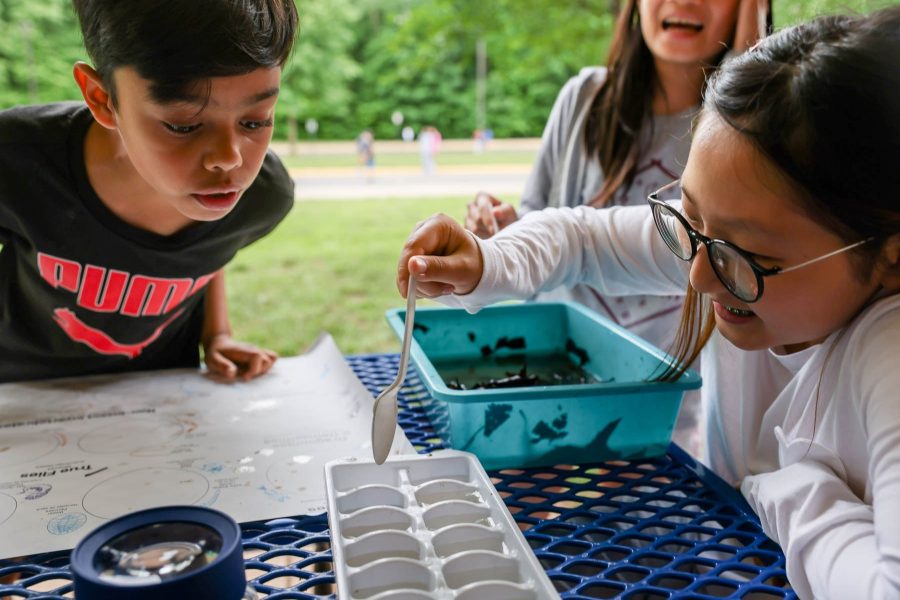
[[418, 57], [39, 43], [357, 62]]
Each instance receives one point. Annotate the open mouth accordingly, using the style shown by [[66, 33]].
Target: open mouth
[[217, 201], [739, 312], [684, 24]]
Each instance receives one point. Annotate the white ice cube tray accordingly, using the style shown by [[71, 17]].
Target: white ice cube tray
[[426, 527]]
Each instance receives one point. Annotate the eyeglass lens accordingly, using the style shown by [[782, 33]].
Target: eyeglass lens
[[734, 271], [674, 233], [730, 266]]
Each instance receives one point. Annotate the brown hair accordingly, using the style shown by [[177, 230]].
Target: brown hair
[[622, 107]]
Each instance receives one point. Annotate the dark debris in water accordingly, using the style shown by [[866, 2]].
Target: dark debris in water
[[545, 432], [523, 378], [513, 379], [570, 374], [561, 421], [581, 353], [514, 343], [495, 415]]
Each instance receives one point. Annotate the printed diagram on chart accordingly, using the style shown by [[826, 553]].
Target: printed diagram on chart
[[74, 454]]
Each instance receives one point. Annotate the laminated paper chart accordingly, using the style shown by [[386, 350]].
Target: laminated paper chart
[[75, 453]]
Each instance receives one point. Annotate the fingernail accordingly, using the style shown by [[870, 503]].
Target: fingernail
[[421, 264]]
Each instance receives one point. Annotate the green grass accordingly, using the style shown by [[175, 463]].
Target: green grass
[[411, 159], [329, 266]]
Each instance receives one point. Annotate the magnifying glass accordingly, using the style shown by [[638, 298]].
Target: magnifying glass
[[175, 551]]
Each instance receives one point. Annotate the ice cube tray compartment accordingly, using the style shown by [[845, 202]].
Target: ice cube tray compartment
[[389, 575], [383, 544], [453, 540], [446, 489], [376, 518], [371, 495], [426, 527], [455, 512]]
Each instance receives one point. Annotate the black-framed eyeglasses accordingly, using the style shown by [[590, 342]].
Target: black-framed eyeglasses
[[735, 267]]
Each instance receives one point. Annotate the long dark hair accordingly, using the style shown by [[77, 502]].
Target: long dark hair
[[623, 106], [820, 101]]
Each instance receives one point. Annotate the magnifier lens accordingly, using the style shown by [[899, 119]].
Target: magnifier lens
[[176, 552], [157, 552]]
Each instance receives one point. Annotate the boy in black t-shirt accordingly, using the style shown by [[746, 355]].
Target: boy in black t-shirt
[[117, 216]]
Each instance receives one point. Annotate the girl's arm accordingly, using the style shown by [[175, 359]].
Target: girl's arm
[[837, 544], [616, 250], [826, 532]]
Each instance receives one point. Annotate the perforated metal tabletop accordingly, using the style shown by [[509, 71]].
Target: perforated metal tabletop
[[655, 529]]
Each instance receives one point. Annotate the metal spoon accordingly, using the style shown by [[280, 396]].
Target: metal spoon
[[384, 412]]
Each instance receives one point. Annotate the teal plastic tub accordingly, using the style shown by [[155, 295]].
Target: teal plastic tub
[[602, 404]]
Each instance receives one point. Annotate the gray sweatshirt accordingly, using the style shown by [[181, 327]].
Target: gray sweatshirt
[[563, 175]]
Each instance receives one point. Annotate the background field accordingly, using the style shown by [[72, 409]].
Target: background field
[[328, 267]]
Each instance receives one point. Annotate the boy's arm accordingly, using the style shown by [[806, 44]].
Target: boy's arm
[[221, 353]]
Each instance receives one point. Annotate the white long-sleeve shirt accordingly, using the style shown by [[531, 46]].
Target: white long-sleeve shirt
[[814, 435]]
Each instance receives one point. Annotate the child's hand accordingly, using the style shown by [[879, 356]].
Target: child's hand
[[442, 256], [230, 358], [486, 215]]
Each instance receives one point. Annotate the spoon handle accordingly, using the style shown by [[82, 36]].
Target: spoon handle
[[408, 329]]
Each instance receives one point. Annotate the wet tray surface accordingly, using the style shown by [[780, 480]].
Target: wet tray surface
[[427, 527], [653, 529]]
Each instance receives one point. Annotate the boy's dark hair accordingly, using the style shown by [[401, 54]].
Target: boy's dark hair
[[820, 100], [180, 44]]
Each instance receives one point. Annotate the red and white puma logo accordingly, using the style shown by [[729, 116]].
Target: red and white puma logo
[[79, 331], [102, 290]]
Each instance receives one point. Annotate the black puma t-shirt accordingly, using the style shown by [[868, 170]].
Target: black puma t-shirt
[[83, 292]]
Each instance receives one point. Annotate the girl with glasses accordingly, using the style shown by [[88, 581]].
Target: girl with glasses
[[785, 230]]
